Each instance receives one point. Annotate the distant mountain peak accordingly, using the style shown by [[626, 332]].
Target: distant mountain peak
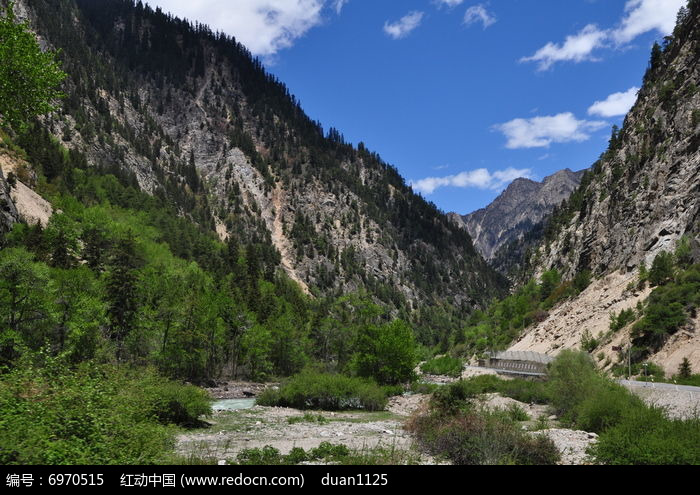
[[524, 203]]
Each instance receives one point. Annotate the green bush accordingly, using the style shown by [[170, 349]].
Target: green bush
[[661, 269], [647, 436], [455, 395], [52, 414], [605, 408], [443, 365], [517, 413], [618, 322], [572, 378], [175, 403], [312, 390], [470, 437]]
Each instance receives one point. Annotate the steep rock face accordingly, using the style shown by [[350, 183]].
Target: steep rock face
[[524, 204], [644, 193], [189, 115], [8, 212]]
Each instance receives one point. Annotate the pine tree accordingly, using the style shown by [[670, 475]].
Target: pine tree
[[122, 291], [684, 369]]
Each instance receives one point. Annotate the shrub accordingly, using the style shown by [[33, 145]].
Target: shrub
[[572, 378], [89, 415], [175, 403], [588, 342], [684, 369], [605, 408], [311, 390], [517, 413], [618, 322], [444, 365], [454, 396], [647, 436], [471, 437]]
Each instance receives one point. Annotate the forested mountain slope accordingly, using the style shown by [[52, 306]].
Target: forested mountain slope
[[189, 116]]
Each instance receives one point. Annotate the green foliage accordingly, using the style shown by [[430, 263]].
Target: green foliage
[[443, 365], [685, 371], [308, 418], [326, 453], [620, 321], [471, 437], [93, 414], [646, 436], [667, 309], [572, 378], [173, 403], [662, 269], [455, 395], [29, 77], [386, 353], [550, 280], [588, 342], [311, 390], [683, 255], [517, 413]]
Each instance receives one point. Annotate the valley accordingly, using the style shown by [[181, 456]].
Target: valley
[[175, 231]]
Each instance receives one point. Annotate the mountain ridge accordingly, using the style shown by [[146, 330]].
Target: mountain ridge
[[521, 206], [187, 114]]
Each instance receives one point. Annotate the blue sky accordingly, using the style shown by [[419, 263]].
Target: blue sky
[[461, 96]]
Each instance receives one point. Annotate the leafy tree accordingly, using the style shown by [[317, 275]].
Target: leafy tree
[[386, 353], [28, 76], [25, 309]]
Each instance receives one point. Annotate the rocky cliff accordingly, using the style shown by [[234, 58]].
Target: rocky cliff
[[524, 204], [187, 114], [644, 192], [8, 212]]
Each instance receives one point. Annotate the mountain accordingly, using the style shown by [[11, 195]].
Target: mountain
[[643, 194], [189, 116], [634, 224], [524, 204]]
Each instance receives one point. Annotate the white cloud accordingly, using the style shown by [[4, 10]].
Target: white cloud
[[263, 26], [449, 3], [643, 16], [576, 48], [404, 26], [480, 179], [540, 132], [338, 5], [478, 13], [615, 105]]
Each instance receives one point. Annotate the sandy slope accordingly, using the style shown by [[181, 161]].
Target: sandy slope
[[590, 311]]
